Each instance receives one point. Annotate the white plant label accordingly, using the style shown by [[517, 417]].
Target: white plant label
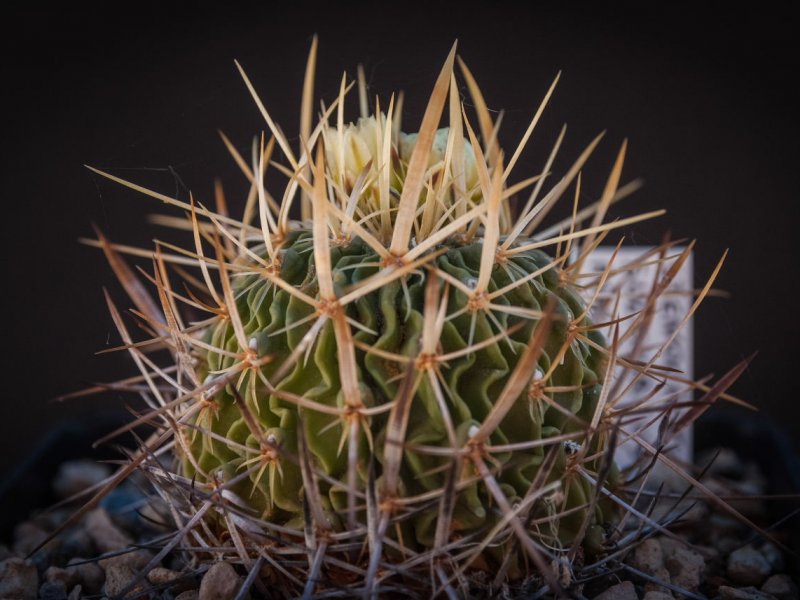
[[626, 293]]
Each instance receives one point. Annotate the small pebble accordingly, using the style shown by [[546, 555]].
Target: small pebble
[[117, 579], [77, 476], [88, 574], [782, 587], [747, 566], [188, 595], [53, 590], [76, 593], [59, 575], [648, 557], [18, 579], [220, 583], [105, 535], [685, 566], [621, 591], [745, 593]]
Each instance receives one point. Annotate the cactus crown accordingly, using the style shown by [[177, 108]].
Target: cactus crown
[[402, 379]]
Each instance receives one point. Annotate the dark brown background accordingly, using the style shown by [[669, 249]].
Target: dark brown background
[[707, 101]]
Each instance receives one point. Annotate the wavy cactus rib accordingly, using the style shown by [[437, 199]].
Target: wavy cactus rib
[[403, 380]]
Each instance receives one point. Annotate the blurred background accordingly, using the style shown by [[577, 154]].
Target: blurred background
[[707, 101]]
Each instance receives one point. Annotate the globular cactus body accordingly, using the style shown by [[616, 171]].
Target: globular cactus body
[[392, 321]]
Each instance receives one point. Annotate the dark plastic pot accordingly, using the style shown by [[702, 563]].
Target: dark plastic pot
[[755, 437], [28, 487]]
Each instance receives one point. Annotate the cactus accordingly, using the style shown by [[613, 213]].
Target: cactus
[[404, 381], [460, 336]]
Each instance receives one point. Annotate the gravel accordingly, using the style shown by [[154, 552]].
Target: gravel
[[747, 566], [101, 555]]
